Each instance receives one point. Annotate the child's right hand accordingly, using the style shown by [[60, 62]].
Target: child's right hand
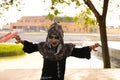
[[18, 39]]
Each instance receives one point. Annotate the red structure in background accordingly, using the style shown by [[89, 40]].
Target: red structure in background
[[7, 36]]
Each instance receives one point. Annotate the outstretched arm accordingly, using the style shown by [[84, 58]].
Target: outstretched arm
[[29, 47], [84, 52]]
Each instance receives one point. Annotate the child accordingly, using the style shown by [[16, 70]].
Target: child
[[55, 52]]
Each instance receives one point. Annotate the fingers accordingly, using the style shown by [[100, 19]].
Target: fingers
[[17, 38], [17, 42], [94, 49], [95, 46]]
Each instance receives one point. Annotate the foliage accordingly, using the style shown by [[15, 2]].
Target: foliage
[[84, 14], [64, 19], [10, 49], [61, 19], [5, 5]]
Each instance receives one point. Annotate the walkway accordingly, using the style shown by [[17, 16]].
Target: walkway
[[71, 74]]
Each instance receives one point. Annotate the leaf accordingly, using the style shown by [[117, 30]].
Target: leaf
[[56, 12], [52, 7], [50, 16]]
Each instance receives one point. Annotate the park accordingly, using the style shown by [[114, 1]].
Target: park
[[86, 17]]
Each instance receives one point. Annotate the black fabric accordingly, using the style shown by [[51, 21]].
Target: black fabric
[[50, 68], [29, 47], [83, 52]]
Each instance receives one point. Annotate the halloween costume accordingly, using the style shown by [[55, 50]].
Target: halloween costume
[[55, 57]]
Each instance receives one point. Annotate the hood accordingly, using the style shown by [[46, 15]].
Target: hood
[[55, 53], [56, 29]]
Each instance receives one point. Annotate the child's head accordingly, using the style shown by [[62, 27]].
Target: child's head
[[55, 35]]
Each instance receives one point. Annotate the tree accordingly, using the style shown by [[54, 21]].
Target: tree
[[101, 19], [102, 24]]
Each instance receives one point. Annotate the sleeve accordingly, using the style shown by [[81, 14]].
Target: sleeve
[[83, 52], [29, 47]]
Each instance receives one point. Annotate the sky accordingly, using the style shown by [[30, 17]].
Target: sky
[[35, 8], [39, 8]]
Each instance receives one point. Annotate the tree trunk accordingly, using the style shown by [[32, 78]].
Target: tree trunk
[[102, 24], [105, 50]]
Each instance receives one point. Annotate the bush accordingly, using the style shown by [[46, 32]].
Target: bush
[[11, 49]]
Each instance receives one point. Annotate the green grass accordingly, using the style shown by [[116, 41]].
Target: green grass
[[10, 49]]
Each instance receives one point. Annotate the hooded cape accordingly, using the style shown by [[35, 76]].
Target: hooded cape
[[62, 50]]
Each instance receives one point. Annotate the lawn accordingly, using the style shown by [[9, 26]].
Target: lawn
[[10, 49]]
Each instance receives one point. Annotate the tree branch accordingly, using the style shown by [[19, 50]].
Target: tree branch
[[92, 8], [105, 7]]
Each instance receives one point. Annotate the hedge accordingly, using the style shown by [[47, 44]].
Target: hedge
[[12, 49]]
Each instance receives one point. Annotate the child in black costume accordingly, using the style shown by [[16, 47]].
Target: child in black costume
[[55, 52]]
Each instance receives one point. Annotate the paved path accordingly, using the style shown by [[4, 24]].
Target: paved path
[[71, 74]]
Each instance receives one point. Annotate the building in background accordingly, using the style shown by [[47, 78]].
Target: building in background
[[41, 24]]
